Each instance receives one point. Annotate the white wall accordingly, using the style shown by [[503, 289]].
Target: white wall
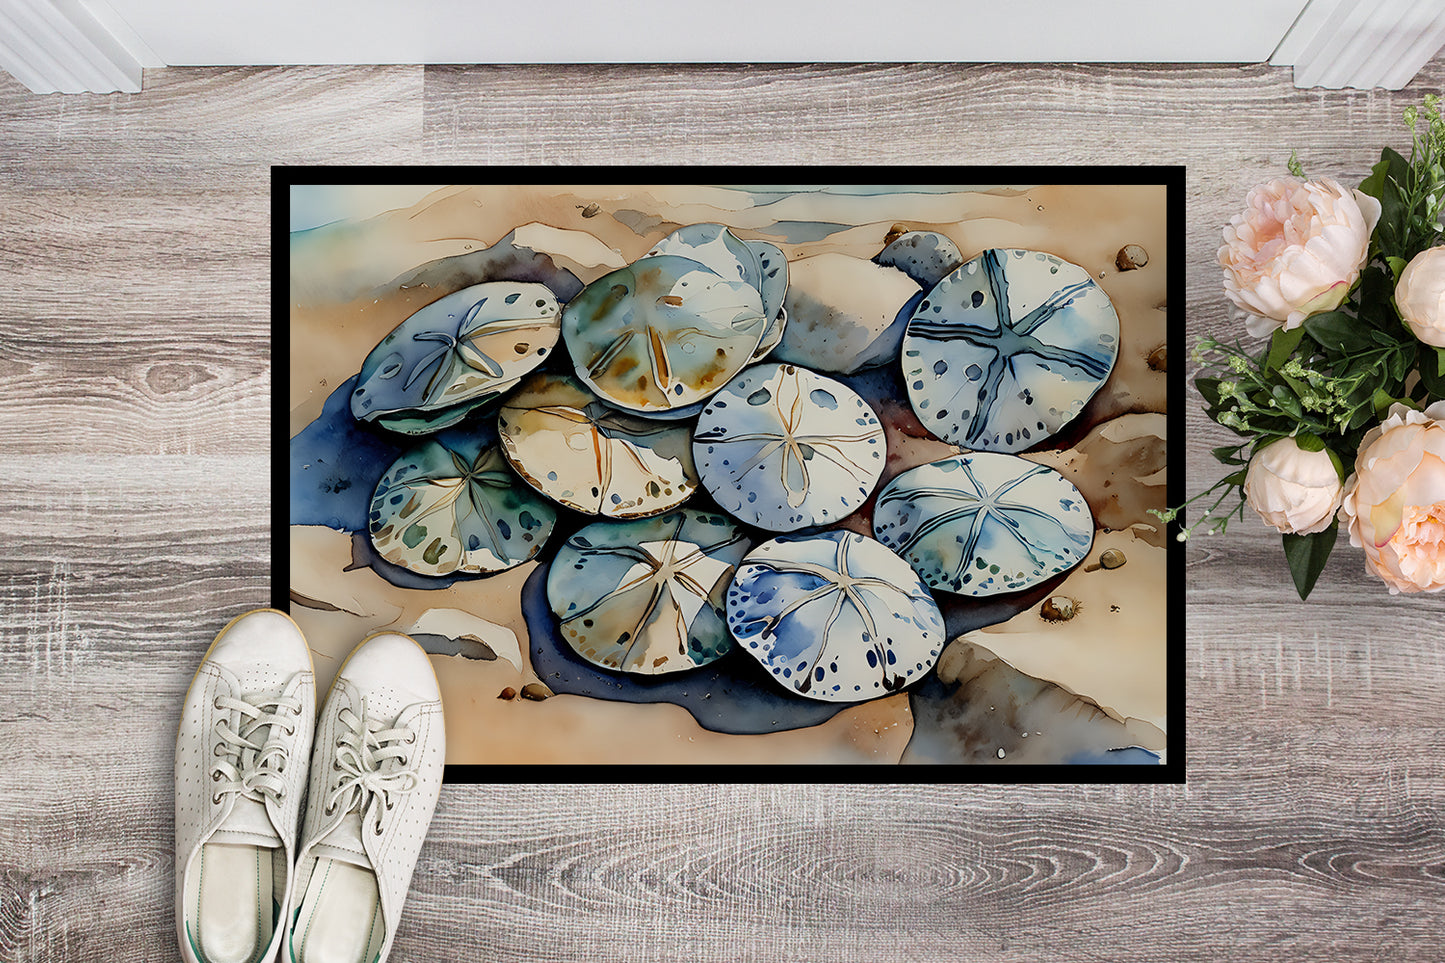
[[670, 31]]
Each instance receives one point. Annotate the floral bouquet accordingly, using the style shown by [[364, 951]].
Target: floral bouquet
[[1342, 411]]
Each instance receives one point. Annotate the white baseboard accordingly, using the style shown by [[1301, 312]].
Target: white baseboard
[[63, 46], [1362, 43]]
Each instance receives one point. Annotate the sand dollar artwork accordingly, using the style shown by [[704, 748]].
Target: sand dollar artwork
[[456, 354], [774, 268], [577, 451], [648, 595], [663, 333], [983, 524], [834, 616], [716, 248], [443, 508], [1007, 349], [783, 448], [925, 256]]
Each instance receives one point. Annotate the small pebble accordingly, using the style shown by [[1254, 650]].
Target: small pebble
[[1159, 359], [535, 691], [1060, 608], [1130, 257], [1000, 752], [508, 693], [591, 210], [1113, 558]]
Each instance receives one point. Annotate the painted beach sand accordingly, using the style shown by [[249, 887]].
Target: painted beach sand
[[1070, 669]]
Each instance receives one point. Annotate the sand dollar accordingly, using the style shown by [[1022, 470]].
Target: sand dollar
[[783, 448], [577, 451], [985, 523], [647, 595], [716, 248], [773, 265], [456, 354], [1007, 349], [834, 616], [663, 333], [443, 508]]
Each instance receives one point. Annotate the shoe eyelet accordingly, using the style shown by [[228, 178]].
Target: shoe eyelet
[[377, 830], [410, 739], [216, 798], [215, 777], [330, 809]]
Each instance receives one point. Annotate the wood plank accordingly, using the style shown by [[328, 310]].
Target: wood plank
[[134, 371]]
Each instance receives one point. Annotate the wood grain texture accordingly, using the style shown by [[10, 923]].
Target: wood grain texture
[[134, 378]]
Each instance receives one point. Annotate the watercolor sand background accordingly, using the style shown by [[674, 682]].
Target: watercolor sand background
[[1010, 688]]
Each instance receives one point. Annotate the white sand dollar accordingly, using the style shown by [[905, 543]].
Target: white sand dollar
[[783, 448]]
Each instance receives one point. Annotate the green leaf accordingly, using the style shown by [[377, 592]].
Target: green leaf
[[1375, 183], [1209, 388], [1307, 555], [1339, 465], [1397, 264], [1294, 166], [1286, 401], [1281, 346], [1381, 401], [1229, 455], [1338, 332], [1308, 441], [1236, 479]]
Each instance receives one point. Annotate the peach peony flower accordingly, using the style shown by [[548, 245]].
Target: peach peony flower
[[1420, 296], [1395, 501], [1296, 250], [1296, 491]]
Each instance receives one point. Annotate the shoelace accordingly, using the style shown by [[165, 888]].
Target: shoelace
[[374, 767], [253, 758]]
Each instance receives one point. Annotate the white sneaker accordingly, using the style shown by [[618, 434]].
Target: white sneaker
[[241, 753], [375, 775]]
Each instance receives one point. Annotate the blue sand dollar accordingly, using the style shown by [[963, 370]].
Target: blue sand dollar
[[456, 354], [577, 451], [925, 256], [773, 267], [647, 595], [455, 506], [663, 333], [834, 616], [985, 523], [783, 448], [1007, 349]]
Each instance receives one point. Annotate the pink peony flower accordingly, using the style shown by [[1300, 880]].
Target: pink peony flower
[[1395, 501], [1296, 491], [1296, 250], [1420, 296]]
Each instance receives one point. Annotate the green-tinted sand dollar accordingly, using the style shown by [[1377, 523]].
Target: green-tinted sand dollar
[[662, 334], [583, 454], [647, 596], [456, 354], [1007, 349], [985, 523], [442, 509]]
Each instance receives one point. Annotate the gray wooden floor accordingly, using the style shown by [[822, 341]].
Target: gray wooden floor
[[134, 378]]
